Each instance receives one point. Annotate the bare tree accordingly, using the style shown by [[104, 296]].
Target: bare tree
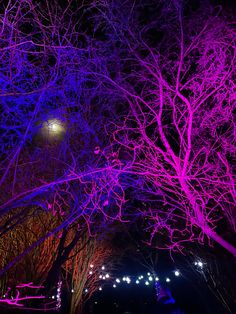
[[179, 129], [55, 151], [84, 269]]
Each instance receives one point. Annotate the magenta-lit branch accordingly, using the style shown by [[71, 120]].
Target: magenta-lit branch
[[177, 77], [17, 298]]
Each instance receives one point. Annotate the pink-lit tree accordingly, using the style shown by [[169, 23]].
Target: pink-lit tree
[[177, 77]]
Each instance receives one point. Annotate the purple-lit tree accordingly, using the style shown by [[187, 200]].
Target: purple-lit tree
[[176, 74], [56, 154], [137, 105]]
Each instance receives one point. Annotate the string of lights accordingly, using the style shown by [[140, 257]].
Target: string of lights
[[148, 279], [58, 305], [107, 279]]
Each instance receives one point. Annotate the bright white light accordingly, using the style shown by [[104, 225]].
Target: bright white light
[[118, 280], [107, 276], [177, 273], [167, 279], [103, 267], [103, 277], [137, 282], [200, 264], [86, 290], [53, 297], [157, 279], [114, 286], [91, 266], [150, 278], [53, 126], [146, 283], [100, 277], [100, 288], [90, 273], [148, 274], [195, 263], [127, 279], [141, 277], [72, 290]]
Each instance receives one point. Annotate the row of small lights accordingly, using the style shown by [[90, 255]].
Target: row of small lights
[[58, 306], [199, 264], [147, 282], [128, 280]]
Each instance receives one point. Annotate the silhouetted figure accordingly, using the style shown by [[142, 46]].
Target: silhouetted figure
[[166, 303]]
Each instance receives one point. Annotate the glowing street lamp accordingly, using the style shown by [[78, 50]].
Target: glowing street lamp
[[53, 128]]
